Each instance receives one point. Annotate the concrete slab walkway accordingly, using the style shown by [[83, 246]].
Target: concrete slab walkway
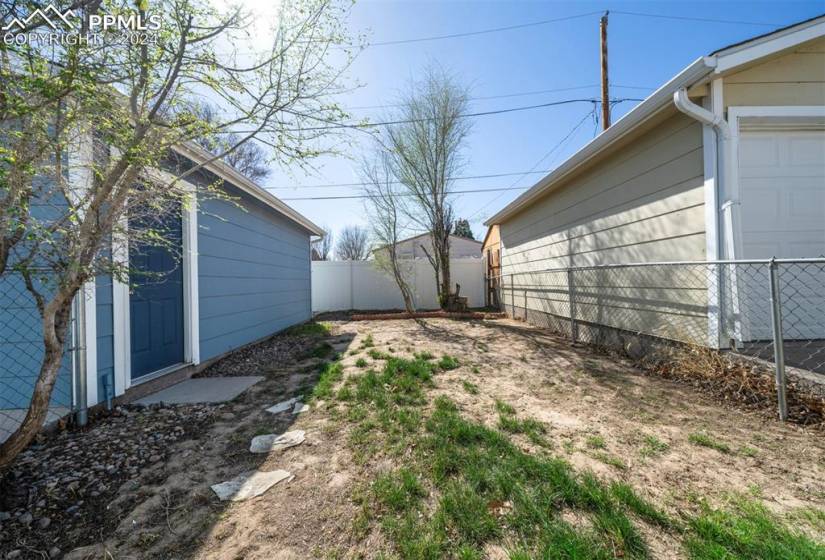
[[202, 390]]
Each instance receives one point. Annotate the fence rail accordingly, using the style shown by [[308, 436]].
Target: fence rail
[[771, 309]]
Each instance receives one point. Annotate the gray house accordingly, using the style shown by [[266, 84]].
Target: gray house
[[244, 275]]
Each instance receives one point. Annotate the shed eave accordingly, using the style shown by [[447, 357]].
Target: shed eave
[[228, 173]]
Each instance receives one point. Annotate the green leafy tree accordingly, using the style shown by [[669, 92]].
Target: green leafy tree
[[462, 229], [87, 127]]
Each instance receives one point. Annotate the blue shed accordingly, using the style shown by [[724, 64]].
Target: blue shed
[[244, 275]]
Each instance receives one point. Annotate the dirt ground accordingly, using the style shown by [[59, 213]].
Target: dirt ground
[[601, 414]]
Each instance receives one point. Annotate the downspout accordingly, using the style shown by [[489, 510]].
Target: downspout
[[82, 413], [722, 135], [721, 130]]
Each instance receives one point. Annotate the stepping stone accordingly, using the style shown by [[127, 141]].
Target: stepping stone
[[274, 442], [300, 407], [249, 485], [282, 406]]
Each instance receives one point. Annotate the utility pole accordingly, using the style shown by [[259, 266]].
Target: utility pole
[[605, 89]]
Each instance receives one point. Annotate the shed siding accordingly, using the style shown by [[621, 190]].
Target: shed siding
[[644, 202], [105, 336], [254, 273], [796, 78]]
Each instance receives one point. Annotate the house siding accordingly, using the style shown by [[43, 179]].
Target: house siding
[[642, 203], [796, 78], [254, 273]]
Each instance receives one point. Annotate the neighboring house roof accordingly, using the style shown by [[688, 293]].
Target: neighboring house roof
[[225, 171], [414, 237], [701, 71]]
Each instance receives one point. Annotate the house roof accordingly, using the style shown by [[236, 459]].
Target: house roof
[[426, 234], [225, 171], [702, 70]]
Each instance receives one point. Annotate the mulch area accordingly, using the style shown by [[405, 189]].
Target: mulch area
[[59, 491]]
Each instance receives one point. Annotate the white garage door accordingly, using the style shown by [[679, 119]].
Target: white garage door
[[782, 194]]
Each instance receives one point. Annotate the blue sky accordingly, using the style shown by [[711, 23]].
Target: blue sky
[[644, 53]]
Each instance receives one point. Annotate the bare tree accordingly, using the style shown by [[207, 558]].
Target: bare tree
[[353, 244], [248, 158], [116, 109], [425, 149], [322, 247], [387, 219]]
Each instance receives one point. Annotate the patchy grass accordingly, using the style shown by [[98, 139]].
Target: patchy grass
[[425, 356], [530, 427], [747, 451], [609, 459], [470, 387], [312, 328], [653, 447], [378, 355], [596, 442], [361, 362], [368, 342], [746, 529], [706, 440], [330, 374], [448, 362], [465, 485]]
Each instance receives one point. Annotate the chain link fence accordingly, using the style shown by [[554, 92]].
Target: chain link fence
[[772, 311], [21, 354]]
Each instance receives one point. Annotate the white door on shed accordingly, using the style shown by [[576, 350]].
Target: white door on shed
[[782, 197]]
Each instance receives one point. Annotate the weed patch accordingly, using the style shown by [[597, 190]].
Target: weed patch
[[447, 362], [471, 388], [310, 329], [653, 447], [705, 440]]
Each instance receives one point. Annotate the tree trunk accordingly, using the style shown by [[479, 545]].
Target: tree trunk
[[55, 324], [445, 276]]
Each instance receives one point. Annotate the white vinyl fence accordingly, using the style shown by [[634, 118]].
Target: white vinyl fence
[[343, 285]]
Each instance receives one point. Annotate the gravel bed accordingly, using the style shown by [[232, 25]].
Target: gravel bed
[[58, 492], [269, 354]]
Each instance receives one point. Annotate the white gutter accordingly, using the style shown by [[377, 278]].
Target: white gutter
[[657, 101]]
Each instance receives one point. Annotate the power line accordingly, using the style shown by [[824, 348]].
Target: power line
[[464, 178], [533, 24], [361, 126], [518, 94], [554, 20], [691, 18], [399, 194], [480, 31], [539, 162]]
